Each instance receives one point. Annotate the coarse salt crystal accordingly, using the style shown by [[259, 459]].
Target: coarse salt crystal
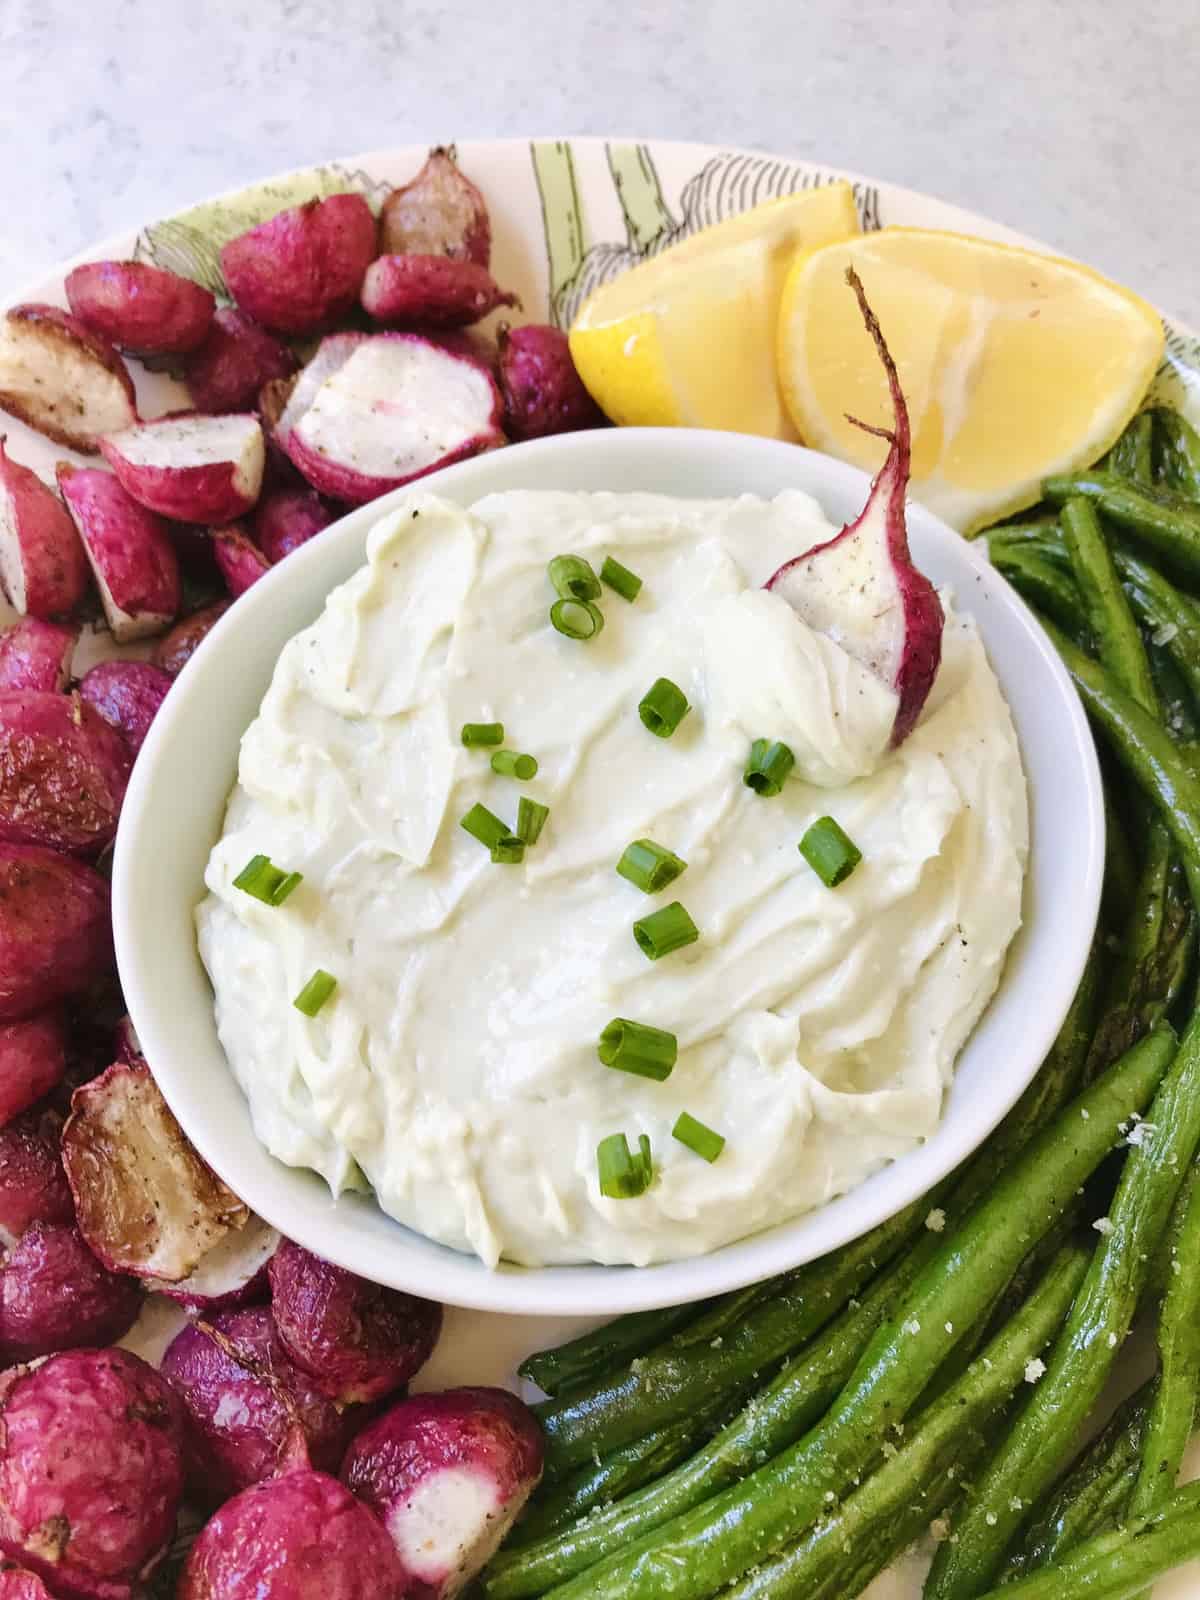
[[1034, 1370], [912, 1327], [1103, 1225], [1166, 633], [936, 1220], [990, 1519]]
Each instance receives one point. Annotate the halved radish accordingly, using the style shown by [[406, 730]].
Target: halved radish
[[61, 378], [43, 569], [303, 268], [432, 290], [232, 1274], [239, 560], [861, 588], [439, 213], [286, 519], [140, 307], [191, 468], [146, 1203], [37, 655], [372, 412], [131, 555], [55, 928], [63, 773], [33, 1060], [128, 695]]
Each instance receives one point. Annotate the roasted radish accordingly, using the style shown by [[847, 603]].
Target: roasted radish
[[285, 520], [147, 1204], [33, 1061], [63, 773], [55, 929], [299, 1537], [61, 378], [448, 1474], [232, 1274], [431, 290], [542, 391], [37, 655], [55, 1295], [304, 268], [33, 1184], [131, 555], [236, 359], [357, 1340], [139, 307], [18, 1583], [126, 1044], [91, 1471], [239, 560], [175, 649], [253, 1413], [860, 588], [43, 569], [127, 694], [373, 411], [190, 468], [440, 213]]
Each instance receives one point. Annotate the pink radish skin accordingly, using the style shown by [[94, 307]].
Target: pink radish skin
[[302, 269], [126, 1044], [91, 1471], [431, 290], [175, 649], [190, 468], [860, 587], [61, 378], [145, 1201], [37, 655], [252, 1412], [63, 773], [43, 569], [127, 694], [236, 359], [55, 929], [448, 1475], [18, 1583], [55, 1295], [298, 1537], [440, 213], [543, 393], [139, 307], [33, 1061], [372, 412], [285, 520], [33, 1185], [130, 552], [357, 1340], [240, 561], [232, 1274]]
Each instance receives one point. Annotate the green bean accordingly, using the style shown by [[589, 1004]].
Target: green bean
[[569, 1366], [1135, 991], [1178, 453], [1167, 615], [1113, 625], [1043, 585], [1118, 1565], [1131, 455], [950, 1432], [1164, 521], [1040, 1439], [1179, 707], [697, 1553], [1120, 869], [1032, 523]]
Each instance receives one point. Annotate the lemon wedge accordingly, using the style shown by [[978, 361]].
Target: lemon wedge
[[687, 338], [1014, 365]]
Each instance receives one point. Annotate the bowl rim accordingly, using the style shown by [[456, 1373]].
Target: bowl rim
[[297, 1202]]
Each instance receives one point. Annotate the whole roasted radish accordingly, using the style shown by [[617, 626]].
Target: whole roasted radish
[[37, 655], [33, 1061], [176, 648], [303, 268], [239, 560], [127, 694], [139, 307], [236, 359], [63, 773], [62, 378], [440, 213], [43, 569], [543, 393], [286, 519], [33, 1185], [130, 552], [55, 1295], [55, 929], [432, 291]]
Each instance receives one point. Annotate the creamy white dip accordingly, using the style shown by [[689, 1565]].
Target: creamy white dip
[[456, 1065]]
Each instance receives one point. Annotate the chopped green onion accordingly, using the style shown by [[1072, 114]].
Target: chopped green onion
[[698, 1138], [315, 993], [573, 578], [531, 819], [265, 881], [623, 1175], [627, 584], [769, 767], [663, 707], [509, 852], [512, 764], [648, 866], [577, 619], [477, 733], [638, 1048], [829, 852], [487, 827], [663, 931]]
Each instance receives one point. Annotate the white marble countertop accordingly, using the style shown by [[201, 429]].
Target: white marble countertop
[[1074, 122]]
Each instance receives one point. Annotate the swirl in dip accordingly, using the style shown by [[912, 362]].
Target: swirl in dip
[[456, 1064]]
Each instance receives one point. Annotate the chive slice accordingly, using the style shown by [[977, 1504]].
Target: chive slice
[[638, 1048], [697, 1137], [531, 819], [648, 866], [769, 767], [482, 733], [315, 992], [663, 707], [510, 852], [831, 854], [623, 1175], [513, 764], [487, 827], [627, 584], [573, 578], [663, 931], [576, 619], [265, 881]]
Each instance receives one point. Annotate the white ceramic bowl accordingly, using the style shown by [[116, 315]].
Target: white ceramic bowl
[[176, 802]]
